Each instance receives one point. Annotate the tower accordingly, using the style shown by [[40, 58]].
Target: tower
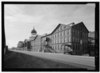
[[33, 34]]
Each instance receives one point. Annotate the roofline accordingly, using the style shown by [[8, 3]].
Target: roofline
[[65, 25], [84, 25], [57, 27]]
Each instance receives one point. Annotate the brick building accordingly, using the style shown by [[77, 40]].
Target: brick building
[[64, 38]]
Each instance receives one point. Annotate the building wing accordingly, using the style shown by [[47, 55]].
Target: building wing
[[80, 26]]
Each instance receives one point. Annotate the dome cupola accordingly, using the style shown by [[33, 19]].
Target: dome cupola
[[33, 32]]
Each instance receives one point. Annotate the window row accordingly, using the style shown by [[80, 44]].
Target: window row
[[61, 37], [57, 47]]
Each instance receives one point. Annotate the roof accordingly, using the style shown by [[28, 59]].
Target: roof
[[69, 25], [81, 24], [33, 31], [58, 27]]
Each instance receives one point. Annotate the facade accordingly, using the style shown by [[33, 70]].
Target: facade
[[91, 43], [71, 38], [91, 37], [36, 43], [79, 38], [66, 38]]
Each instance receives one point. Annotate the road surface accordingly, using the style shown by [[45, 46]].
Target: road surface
[[27, 59]]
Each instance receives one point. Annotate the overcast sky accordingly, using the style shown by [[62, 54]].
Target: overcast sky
[[20, 19]]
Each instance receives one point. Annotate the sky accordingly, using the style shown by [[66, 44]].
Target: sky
[[20, 19]]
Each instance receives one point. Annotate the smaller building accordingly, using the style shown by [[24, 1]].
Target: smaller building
[[36, 44], [35, 41], [91, 43]]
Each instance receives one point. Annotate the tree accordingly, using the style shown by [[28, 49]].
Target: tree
[[20, 44], [25, 42], [29, 45]]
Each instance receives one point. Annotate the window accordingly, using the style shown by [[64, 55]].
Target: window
[[62, 36], [54, 47], [54, 39], [59, 46], [59, 28], [78, 33], [59, 37], [66, 36]]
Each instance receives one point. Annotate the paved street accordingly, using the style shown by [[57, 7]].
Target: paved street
[[75, 61], [19, 60]]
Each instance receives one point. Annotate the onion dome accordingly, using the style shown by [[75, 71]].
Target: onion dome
[[33, 32]]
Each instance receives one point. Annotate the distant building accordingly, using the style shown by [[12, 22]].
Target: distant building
[[91, 37], [71, 38], [91, 43], [35, 41], [36, 44]]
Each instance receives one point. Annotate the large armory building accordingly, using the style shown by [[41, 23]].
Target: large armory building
[[63, 37]]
